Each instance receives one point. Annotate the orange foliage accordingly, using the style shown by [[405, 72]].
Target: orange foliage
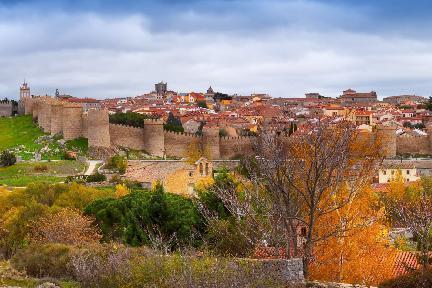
[[67, 226], [362, 253]]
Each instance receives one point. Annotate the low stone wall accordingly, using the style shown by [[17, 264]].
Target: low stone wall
[[334, 285]]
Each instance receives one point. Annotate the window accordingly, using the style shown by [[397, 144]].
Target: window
[[384, 172], [190, 174], [408, 172], [392, 172]]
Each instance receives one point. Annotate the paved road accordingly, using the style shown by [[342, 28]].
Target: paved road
[[91, 167]]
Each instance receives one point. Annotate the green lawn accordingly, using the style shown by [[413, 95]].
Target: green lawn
[[18, 130], [20, 135], [22, 174]]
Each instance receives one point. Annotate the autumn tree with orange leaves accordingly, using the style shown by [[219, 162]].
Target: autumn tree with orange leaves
[[307, 177], [67, 226], [360, 252]]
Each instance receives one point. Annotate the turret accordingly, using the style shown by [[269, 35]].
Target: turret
[[98, 129], [387, 139], [72, 122], [154, 139]]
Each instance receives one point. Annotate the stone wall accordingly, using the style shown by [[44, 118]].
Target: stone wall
[[5, 109], [56, 117], [127, 136], [177, 143], [231, 147], [407, 144]]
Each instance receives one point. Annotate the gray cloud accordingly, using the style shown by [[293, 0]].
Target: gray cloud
[[91, 54]]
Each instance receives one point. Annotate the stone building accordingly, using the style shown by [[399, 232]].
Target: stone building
[[161, 88], [351, 96], [177, 177]]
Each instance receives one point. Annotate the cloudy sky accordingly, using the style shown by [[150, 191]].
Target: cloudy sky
[[106, 48]]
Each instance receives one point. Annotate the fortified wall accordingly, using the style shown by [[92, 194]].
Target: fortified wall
[[70, 120]]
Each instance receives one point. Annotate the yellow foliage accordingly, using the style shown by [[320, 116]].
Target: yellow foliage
[[204, 183], [121, 190], [355, 255]]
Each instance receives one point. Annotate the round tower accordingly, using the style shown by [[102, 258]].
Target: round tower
[[56, 118], [98, 129], [154, 138], [386, 136], [72, 122]]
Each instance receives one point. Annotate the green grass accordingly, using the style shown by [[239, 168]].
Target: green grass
[[22, 174], [18, 130]]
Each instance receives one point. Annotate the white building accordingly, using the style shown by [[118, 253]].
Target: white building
[[389, 172]]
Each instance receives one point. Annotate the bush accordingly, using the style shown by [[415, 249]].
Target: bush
[[418, 279], [51, 260], [40, 168], [117, 162], [97, 177], [7, 158]]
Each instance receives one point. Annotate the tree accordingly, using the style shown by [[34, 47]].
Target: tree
[[303, 178], [128, 118], [7, 158], [412, 209], [429, 104], [66, 226], [360, 249], [202, 104], [146, 217], [173, 124]]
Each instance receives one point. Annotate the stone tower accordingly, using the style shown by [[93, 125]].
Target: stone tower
[[56, 118], [154, 139], [24, 91], [72, 121], [211, 142], [161, 88], [387, 138], [98, 129]]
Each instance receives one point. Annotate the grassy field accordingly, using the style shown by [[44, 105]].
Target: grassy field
[[20, 135], [19, 130], [22, 174]]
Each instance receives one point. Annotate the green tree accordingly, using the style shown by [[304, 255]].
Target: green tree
[[429, 104], [202, 104], [173, 124], [142, 215]]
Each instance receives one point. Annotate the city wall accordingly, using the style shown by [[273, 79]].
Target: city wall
[[56, 117]]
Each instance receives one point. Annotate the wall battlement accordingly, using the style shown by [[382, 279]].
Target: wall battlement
[[70, 120]]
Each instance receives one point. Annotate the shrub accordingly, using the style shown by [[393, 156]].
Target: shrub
[[40, 168], [50, 260], [418, 279], [117, 162], [7, 158], [97, 177]]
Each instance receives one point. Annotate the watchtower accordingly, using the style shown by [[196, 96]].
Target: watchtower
[[211, 141], [154, 139], [98, 129], [387, 139]]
